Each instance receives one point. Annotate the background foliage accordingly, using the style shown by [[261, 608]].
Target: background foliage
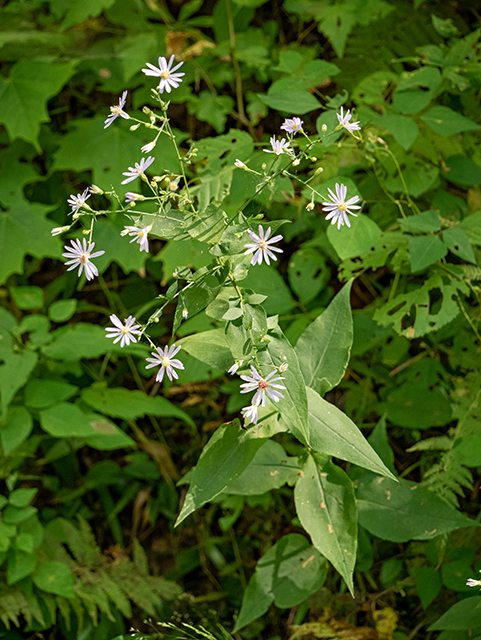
[[93, 452]]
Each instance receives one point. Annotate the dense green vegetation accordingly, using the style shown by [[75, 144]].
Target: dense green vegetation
[[138, 504]]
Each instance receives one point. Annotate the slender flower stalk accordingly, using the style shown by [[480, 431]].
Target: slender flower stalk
[[262, 386], [165, 359], [344, 121], [77, 201], [340, 207], [81, 255], [117, 110], [262, 246], [125, 332], [138, 170], [292, 125], [165, 72], [140, 235], [279, 146]]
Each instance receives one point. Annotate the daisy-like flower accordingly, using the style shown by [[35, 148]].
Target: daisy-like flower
[[117, 110], [262, 386], [81, 256], [471, 582], [250, 413], [138, 234], [94, 189], [278, 146], [132, 197], [284, 367], [292, 125], [262, 246], [165, 359], [139, 169], [344, 121], [340, 207], [77, 201], [168, 78], [124, 332]]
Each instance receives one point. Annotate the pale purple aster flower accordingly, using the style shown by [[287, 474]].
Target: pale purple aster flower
[[250, 413], [117, 110], [344, 121], [81, 256], [233, 370], [262, 246], [94, 189], [261, 386], [132, 197], [147, 148], [168, 78], [135, 172], [292, 125], [138, 234], [77, 201], [124, 332], [284, 367], [471, 582], [165, 359], [278, 146], [339, 207]]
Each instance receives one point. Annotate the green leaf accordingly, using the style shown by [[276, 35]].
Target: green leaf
[[62, 310], [402, 511], [308, 273], [471, 225], [428, 584], [469, 449], [22, 497], [126, 254], [24, 95], [107, 436], [458, 242], [271, 468], [20, 565], [462, 170], [415, 90], [224, 458], [27, 297], [445, 28], [334, 434], [209, 347], [293, 102], [129, 405], [324, 348], [54, 577], [66, 420], [17, 428], [15, 515], [79, 11], [404, 129], [380, 443], [211, 108], [426, 221], [287, 574], [462, 615], [424, 251], [27, 221], [445, 121], [40, 394], [268, 281], [326, 507], [14, 373], [24, 542], [353, 241]]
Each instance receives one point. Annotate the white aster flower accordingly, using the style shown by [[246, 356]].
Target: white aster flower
[[132, 197], [233, 370], [344, 121], [471, 582], [284, 367], [138, 234], [81, 256], [261, 386], [94, 189], [124, 332], [58, 230], [147, 148], [339, 207], [262, 246], [168, 78], [292, 125], [117, 110], [139, 169], [279, 146], [77, 201], [165, 359], [250, 413]]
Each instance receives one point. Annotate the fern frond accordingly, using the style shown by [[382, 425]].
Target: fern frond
[[471, 272], [449, 478], [439, 443]]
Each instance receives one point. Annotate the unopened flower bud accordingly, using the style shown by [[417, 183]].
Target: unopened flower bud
[[146, 110], [296, 162], [185, 314], [147, 148], [318, 170], [85, 232], [240, 165], [310, 206], [94, 189], [58, 230], [134, 127], [313, 158], [324, 128]]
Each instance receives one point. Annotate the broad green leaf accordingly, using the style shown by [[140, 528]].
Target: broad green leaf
[[326, 507], [334, 434], [27, 221], [188, 252], [15, 173], [271, 468], [416, 89], [458, 242], [14, 373], [417, 406], [308, 273], [27, 297], [424, 251], [445, 121], [135, 49], [419, 176], [471, 225], [404, 129], [211, 108], [445, 28], [66, 420], [16, 515], [129, 405], [40, 394], [17, 428], [24, 542], [464, 615], [126, 254], [380, 443], [225, 457], [80, 10], [268, 281], [323, 350], [20, 565], [402, 511], [292, 102], [62, 310], [353, 241], [24, 95], [209, 347], [469, 449], [426, 221], [54, 577], [462, 170], [293, 406], [428, 584], [22, 497], [287, 574], [107, 435]]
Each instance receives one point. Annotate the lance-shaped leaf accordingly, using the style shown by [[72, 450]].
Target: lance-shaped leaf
[[293, 406], [334, 434], [324, 348], [326, 507], [224, 458]]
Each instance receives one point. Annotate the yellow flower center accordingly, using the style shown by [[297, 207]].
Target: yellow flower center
[[165, 362], [263, 245], [342, 206], [125, 329], [115, 110], [165, 74]]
